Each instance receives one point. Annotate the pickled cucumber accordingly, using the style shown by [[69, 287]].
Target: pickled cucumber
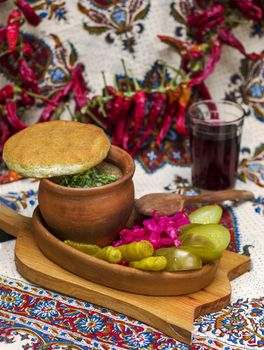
[[187, 227], [206, 254], [196, 239], [179, 259], [208, 214], [211, 236]]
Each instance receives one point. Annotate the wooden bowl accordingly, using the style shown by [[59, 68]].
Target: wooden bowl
[[116, 276], [91, 215]]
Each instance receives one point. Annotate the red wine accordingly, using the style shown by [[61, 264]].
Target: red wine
[[215, 153]]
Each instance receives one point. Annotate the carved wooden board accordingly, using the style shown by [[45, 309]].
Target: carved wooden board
[[173, 315]]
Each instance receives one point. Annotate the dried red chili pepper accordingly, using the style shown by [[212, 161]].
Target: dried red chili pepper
[[27, 74], [127, 133], [249, 9], [120, 126], [166, 123], [30, 14], [114, 103], [80, 89], [140, 101], [210, 64], [157, 102], [7, 92], [12, 31], [182, 107], [208, 18], [169, 114], [12, 117], [227, 37], [113, 107], [179, 45], [54, 102]]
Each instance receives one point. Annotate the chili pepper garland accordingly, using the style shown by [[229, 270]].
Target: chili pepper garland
[[16, 99], [132, 116], [209, 27], [30, 14], [14, 21]]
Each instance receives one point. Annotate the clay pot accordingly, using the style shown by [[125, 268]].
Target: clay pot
[[91, 215]]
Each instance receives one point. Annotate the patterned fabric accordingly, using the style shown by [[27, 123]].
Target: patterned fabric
[[252, 167], [128, 29], [34, 318], [99, 33], [39, 318], [240, 326]]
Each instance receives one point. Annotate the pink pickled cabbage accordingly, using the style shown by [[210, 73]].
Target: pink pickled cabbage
[[160, 231]]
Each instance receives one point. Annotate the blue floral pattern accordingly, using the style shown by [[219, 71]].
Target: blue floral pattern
[[45, 310]]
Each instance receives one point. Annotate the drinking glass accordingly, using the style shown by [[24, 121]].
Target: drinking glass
[[215, 129]]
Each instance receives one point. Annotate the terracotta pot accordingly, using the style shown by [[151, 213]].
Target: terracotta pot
[[91, 215]]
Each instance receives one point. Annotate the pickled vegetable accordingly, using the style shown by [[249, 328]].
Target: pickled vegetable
[[108, 253], [187, 227], [136, 250], [215, 234], [152, 263], [179, 259], [208, 214], [90, 249], [205, 254], [194, 239]]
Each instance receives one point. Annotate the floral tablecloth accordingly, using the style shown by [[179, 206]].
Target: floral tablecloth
[[37, 318], [34, 318]]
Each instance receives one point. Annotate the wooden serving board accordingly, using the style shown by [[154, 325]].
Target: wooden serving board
[[173, 315]]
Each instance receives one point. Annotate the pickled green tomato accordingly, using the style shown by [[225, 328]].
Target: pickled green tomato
[[208, 214], [179, 259], [211, 236]]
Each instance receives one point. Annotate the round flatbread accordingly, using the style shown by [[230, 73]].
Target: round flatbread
[[55, 148]]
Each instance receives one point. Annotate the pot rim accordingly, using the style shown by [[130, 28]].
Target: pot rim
[[118, 157]]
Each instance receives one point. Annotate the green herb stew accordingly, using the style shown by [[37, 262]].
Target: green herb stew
[[95, 177]]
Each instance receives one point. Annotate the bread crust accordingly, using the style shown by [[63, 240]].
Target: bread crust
[[55, 148]]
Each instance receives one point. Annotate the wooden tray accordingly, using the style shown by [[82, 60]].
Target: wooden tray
[[128, 279], [172, 315]]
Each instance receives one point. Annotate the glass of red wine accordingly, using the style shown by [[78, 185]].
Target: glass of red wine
[[215, 129]]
